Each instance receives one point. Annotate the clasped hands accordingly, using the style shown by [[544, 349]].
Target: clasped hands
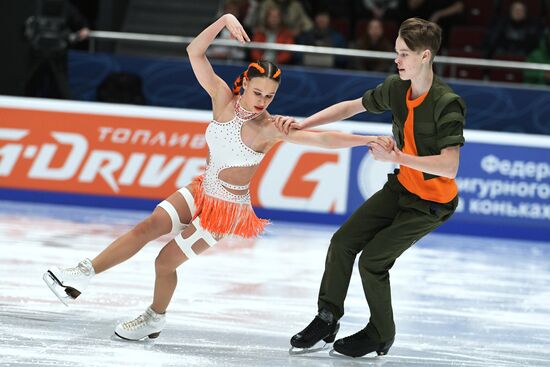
[[382, 148]]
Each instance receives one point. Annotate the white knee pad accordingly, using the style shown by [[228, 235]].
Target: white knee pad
[[200, 233], [177, 226]]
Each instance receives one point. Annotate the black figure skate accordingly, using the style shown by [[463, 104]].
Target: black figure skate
[[316, 336], [359, 344]]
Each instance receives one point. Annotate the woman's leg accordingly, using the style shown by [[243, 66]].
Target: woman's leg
[[159, 223], [191, 242]]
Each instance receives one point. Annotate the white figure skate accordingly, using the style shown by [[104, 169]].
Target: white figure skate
[[67, 284], [148, 324]]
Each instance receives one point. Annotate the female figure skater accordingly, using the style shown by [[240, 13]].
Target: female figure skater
[[216, 203]]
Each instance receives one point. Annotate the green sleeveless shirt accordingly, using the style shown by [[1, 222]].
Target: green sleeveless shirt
[[439, 119]]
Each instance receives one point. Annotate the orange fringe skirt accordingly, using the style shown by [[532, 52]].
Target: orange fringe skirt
[[222, 217]]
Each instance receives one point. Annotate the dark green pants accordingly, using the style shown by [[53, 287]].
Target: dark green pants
[[387, 224]]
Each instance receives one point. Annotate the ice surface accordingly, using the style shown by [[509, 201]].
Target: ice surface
[[460, 301]]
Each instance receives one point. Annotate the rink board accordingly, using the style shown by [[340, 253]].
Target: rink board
[[131, 157]]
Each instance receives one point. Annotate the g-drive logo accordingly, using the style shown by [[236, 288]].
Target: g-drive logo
[[85, 164]]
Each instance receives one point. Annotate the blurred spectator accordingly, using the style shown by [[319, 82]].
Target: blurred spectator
[[251, 17], [540, 55], [445, 13], [380, 9], [373, 40], [234, 7], [322, 35], [337, 9], [293, 15], [414, 8], [433, 10], [55, 25], [273, 31], [513, 35], [239, 8]]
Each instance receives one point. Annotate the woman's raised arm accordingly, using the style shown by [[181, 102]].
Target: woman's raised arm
[[208, 79]]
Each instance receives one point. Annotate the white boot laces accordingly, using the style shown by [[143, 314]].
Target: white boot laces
[[136, 323], [77, 270], [83, 268]]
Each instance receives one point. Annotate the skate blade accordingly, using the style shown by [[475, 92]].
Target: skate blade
[[336, 354], [319, 347], [146, 338], [56, 287]]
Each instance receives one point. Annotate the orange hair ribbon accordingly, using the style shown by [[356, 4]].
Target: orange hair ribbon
[[256, 66]]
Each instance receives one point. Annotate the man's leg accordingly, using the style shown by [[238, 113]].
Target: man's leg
[[379, 255], [375, 214], [414, 220]]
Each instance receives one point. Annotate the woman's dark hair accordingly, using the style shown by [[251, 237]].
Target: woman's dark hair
[[262, 68]]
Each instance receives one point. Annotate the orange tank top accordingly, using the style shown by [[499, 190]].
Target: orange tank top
[[438, 189]]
